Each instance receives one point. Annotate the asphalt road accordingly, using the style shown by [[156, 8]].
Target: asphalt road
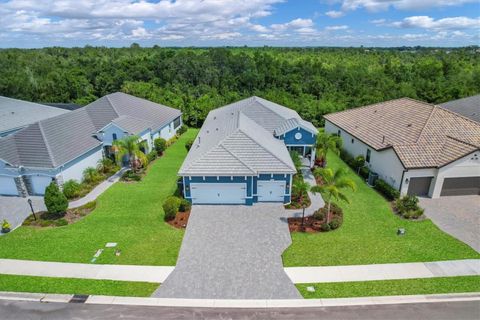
[[35, 310]]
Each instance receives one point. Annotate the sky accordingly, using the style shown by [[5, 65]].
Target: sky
[[116, 23]]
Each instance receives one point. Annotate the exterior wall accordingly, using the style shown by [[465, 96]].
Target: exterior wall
[[167, 132], [107, 137], [146, 136], [308, 138], [385, 162], [74, 169], [418, 173]]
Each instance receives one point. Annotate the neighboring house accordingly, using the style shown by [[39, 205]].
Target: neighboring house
[[65, 106], [418, 148], [60, 148], [241, 154], [17, 114], [468, 107]]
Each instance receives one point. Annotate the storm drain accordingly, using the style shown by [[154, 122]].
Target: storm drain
[[79, 298]]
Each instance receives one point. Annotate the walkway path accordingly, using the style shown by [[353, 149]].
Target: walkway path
[[316, 199], [158, 274]]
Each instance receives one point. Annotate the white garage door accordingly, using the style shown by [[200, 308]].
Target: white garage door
[[8, 187], [270, 191], [39, 184], [218, 193]]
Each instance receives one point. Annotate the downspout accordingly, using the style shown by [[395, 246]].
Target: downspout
[[401, 182]]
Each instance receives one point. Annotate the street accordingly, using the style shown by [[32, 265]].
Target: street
[[15, 310]]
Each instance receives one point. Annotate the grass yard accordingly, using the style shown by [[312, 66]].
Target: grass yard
[[368, 235], [130, 214], [391, 287], [76, 286]]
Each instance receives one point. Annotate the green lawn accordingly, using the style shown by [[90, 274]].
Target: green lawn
[[368, 235], [130, 214], [76, 286], [391, 287]]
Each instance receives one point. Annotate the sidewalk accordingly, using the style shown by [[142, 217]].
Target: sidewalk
[[158, 274], [97, 191]]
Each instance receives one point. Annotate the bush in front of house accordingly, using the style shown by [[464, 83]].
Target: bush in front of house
[[151, 156], [408, 207], [171, 207], [185, 205], [91, 176], [172, 140], [160, 145], [387, 190], [182, 130], [364, 172], [72, 189], [189, 144], [129, 175], [55, 200]]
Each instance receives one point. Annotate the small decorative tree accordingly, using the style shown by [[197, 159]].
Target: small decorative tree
[[129, 146], [160, 145], [334, 182], [327, 142], [297, 161], [55, 200], [300, 189]]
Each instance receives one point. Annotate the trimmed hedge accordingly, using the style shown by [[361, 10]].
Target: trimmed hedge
[[171, 207], [160, 145], [387, 190]]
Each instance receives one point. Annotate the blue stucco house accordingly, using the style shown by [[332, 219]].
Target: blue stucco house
[[60, 148], [241, 154]]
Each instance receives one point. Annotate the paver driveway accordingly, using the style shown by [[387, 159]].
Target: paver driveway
[[458, 216], [16, 209], [232, 252]]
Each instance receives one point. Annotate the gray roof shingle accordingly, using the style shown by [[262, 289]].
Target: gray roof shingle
[[468, 107]]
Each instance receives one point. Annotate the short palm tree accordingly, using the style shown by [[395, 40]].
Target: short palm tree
[[297, 161], [129, 146], [300, 189], [327, 142], [334, 182]]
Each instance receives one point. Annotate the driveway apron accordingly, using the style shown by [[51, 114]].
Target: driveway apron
[[232, 252]]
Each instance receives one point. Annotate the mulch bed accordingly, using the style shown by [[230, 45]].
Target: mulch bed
[[45, 219], [311, 225], [181, 220]]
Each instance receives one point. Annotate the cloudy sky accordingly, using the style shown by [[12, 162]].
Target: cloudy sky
[[39, 23]]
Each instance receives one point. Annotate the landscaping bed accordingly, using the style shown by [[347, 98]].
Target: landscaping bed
[[318, 221], [180, 221], [298, 200], [45, 219]]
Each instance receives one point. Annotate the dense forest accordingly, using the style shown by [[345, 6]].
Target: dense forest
[[313, 81]]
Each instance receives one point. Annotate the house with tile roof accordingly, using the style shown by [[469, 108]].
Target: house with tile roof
[[241, 154], [60, 148], [17, 114], [417, 148]]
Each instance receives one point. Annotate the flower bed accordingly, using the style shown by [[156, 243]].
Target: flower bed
[[318, 221], [298, 200], [45, 219]]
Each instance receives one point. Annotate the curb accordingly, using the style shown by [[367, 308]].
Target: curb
[[246, 304]]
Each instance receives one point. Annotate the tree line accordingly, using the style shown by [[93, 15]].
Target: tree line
[[313, 81]]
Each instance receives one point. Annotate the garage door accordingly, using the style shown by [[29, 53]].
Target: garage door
[[39, 184], [419, 186], [270, 191], [218, 193], [8, 187], [460, 186]]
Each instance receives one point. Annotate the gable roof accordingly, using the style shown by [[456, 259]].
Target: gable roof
[[16, 114], [422, 135], [231, 143], [468, 107], [53, 142]]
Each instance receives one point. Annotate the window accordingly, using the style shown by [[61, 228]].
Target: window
[[367, 158], [114, 136], [339, 133], [176, 123], [353, 140]]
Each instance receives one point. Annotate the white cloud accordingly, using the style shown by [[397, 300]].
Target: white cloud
[[258, 28], [294, 24], [336, 28], [335, 14], [381, 5], [426, 22]]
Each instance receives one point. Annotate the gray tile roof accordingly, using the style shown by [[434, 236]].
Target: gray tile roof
[[15, 114], [238, 140], [53, 142], [294, 123], [468, 107]]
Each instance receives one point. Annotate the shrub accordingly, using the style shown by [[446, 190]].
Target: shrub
[[91, 175], [189, 144], [407, 203], [182, 130], [6, 226], [364, 171], [55, 201], [185, 205], [335, 223], [160, 145], [413, 214], [335, 209], [171, 141], [129, 175], [61, 222], [170, 207], [388, 191], [358, 162], [319, 214], [72, 189], [151, 156], [345, 156], [325, 227], [107, 166]]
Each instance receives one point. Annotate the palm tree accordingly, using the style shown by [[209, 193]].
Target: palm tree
[[129, 146], [334, 182], [326, 142], [300, 188], [297, 161]]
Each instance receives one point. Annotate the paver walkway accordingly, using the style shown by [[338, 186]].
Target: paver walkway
[[232, 252], [158, 274], [458, 216]]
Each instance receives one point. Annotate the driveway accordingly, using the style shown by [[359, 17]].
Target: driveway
[[16, 209], [458, 216], [232, 252]]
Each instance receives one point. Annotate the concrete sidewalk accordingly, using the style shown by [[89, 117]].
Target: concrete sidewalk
[[158, 274]]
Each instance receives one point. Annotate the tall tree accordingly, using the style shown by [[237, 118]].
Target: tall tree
[[129, 146], [327, 142]]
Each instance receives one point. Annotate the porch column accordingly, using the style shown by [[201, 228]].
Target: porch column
[[312, 157]]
